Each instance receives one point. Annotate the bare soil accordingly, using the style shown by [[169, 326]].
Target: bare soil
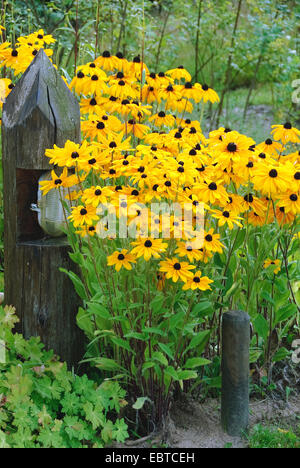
[[197, 425]]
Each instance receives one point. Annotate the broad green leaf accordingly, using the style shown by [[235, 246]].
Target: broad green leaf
[[187, 375], [191, 363], [261, 326]]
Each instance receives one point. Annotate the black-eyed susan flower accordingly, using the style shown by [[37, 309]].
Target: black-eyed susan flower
[[121, 259], [212, 242], [286, 133], [273, 264], [106, 61], [83, 214], [270, 146], [290, 201], [227, 217], [148, 247], [187, 249], [70, 154], [208, 94], [96, 194], [272, 179], [176, 270], [57, 181], [162, 119], [179, 73], [198, 282]]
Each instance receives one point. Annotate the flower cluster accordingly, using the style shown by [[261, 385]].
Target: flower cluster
[[142, 145]]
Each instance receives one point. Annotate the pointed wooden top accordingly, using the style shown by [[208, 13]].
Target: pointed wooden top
[[39, 112]]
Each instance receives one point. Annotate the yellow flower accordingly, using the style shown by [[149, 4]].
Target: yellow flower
[[290, 201], [212, 243], [148, 247], [63, 180], [275, 264], [121, 259], [176, 270], [83, 215], [70, 154], [286, 133], [272, 178], [227, 217], [198, 282], [208, 94]]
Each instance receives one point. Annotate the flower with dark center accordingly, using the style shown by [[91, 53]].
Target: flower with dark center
[[137, 59], [125, 102], [14, 53], [196, 279], [198, 147], [187, 121], [232, 147], [148, 243], [141, 169], [11, 86], [131, 121], [153, 148], [34, 52], [119, 55], [112, 144], [297, 175], [121, 257], [75, 155], [121, 83], [282, 209], [293, 197], [155, 187], [177, 266], [226, 214], [273, 173], [161, 74], [83, 211], [189, 248], [205, 87], [106, 54], [57, 181], [100, 126], [92, 161], [227, 130], [170, 88], [193, 130], [212, 186], [208, 238], [92, 65], [178, 135], [161, 114], [104, 117], [250, 164], [95, 78], [120, 75], [113, 98], [93, 102], [248, 198], [180, 169], [188, 85], [251, 148], [144, 176], [40, 36], [152, 75], [125, 163], [98, 192], [80, 75], [112, 171], [262, 155], [151, 88], [135, 193], [268, 141], [181, 163], [287, 126], [168, 183], [118, 188], [92, 228]]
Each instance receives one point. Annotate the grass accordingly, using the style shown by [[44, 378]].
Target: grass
[[273, 437]]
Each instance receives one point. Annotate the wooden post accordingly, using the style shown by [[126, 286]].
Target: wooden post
[[235, 372], [39, 112]]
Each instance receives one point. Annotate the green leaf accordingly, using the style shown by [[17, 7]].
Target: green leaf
[[285, 312], [107, 364], [158, 356], [261, 326], [140, 402], [281, 354], [122, 343], [154, 330], [171, 372], [187, 375], [199, 341], [79, 287], [166, 349], [191, 363]]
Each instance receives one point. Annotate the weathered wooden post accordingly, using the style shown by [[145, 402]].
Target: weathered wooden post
[[39, 112], [235, 372]]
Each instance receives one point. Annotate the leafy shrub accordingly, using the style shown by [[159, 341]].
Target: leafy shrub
[[42, 405]]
